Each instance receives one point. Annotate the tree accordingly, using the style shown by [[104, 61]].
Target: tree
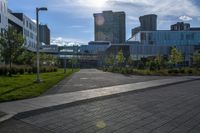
[[120, 57], [196, 58], [26, 58], [110, 60], [130, 62], [12, 44], [175, 56]]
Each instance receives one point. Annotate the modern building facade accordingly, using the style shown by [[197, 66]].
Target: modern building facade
[[148, 22], [28, 30], [167, 37], [110, 26], [24, 25], [44, 34], [94, 47], [3, 15]]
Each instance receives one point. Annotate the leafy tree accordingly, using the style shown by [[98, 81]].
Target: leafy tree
[[26, 58], [175, 56], [120, 57], [12, 44], [110, 60], [47, 59], [130, 61], [196, 58]]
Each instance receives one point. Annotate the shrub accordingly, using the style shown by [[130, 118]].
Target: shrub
[[182, 71], [190, 71], [34, 69], [21, 70], [141, 65], [3, 70], [29, 70], [14, 70]]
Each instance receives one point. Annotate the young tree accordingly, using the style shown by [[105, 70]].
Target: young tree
[[110, 60], [120, 57], [175, 56], [130, 62], [196, 58], [26, 58], [12, 43]]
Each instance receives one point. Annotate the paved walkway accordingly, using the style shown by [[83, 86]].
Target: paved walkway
[[169, 109], [87, 79], [66, 98]]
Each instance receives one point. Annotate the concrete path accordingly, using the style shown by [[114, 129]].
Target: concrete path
[[87, 79], [169, 109], [66, 98]]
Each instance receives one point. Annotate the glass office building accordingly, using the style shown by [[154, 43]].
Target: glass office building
[[167, 37]]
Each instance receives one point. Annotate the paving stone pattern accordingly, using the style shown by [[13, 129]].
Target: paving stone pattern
[[172, 109]]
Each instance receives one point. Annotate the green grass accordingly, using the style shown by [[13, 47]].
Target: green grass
[[23, 86]]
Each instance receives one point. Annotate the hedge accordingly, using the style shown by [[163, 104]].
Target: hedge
[[4, 70]]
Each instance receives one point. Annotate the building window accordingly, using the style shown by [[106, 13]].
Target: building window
[[27, 24]]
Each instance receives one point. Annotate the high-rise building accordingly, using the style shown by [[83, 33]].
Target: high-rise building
[[44, 34], [148, 22], [110, 26], [179, 26], [3, 15]]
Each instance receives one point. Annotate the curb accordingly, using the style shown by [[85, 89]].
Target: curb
[[6, 117]]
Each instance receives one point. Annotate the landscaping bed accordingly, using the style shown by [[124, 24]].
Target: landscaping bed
[[161, 72]]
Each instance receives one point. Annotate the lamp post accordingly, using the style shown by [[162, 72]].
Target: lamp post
[[37, 47]]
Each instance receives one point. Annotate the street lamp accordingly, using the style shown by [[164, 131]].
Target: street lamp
[[37, 48]]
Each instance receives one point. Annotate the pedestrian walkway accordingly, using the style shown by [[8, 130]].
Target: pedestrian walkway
[[13, 108], [87, 79]]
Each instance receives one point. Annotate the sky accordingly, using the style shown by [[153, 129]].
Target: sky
[[72, 20]]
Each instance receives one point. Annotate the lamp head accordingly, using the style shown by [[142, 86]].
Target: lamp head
[[42, 9]]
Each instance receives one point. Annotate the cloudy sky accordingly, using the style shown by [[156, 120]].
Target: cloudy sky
[[72, 20]]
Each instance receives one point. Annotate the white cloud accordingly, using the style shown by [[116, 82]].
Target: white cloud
[[60, 41], [134, 8], [185, 18]]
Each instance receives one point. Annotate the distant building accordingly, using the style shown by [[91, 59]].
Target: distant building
[[180, 26], [44, 34], [110, 26], [3, 15], [148, 22]]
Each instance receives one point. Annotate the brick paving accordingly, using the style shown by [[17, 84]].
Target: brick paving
[[172, 109]]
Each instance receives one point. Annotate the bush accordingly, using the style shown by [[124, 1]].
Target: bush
[[190, 71], [34, 69], [21, 71], [141, 65], [3, 71], [29, 70], [182, 71], [14, 70]]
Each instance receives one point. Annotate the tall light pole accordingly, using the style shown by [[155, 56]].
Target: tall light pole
[[38, 43]]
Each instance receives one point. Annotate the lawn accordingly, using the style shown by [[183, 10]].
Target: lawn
[[23, 86]]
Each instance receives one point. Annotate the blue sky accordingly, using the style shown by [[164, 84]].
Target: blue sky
[[72, 20]]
